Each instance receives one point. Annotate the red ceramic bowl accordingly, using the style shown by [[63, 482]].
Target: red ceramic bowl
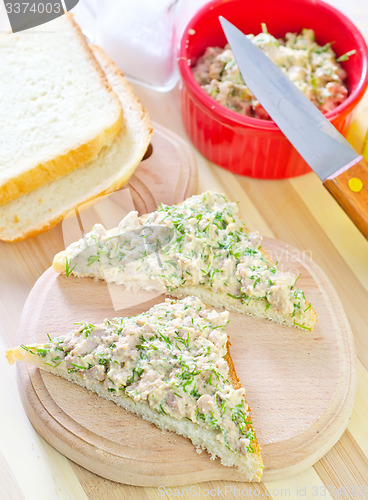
[[246, 145]]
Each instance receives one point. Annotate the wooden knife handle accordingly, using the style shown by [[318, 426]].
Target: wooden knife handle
[[350, 190]]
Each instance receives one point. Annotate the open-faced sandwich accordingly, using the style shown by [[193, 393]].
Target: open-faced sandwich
[[171, 366], [200, 247]]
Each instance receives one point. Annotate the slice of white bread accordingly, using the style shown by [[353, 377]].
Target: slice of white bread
[[191, 261], [57, 110], [43, 208], [171, 366]]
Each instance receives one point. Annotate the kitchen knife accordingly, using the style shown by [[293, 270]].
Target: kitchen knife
[[343, 172]]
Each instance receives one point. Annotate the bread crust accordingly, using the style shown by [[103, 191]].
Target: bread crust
[[65, 163], [234, 379], [58, 166]]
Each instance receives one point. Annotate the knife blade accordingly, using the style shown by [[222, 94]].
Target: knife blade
[[343, 171]]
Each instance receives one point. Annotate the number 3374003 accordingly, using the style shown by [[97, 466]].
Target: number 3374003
[[33, 7]]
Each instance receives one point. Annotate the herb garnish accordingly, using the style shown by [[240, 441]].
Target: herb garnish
[[68, 269]]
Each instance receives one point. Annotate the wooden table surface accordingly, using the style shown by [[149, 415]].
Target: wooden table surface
[[298, 211]]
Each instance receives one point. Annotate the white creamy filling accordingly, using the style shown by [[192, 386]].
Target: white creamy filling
[[172, 357], [202, 242], [312, 68]]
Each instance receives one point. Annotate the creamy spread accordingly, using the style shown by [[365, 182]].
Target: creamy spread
[[202, 242], [313, 68], [172, 357]]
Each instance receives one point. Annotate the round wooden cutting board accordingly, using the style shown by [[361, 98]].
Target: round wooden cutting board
[[299, 385]]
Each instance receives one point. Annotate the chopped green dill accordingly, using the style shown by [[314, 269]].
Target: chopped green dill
[[79, 366], [296, 280], [53, 365], [346, 56], [273, 269], [220, 326], [200, 415], [227, 442], [302, 326], [195, 393], [162, 411], [324, 48], [42, 352], [87, 328], [27, 349], [68, 269], [207, 351], [165, 338], [92, 259], [105, 362]]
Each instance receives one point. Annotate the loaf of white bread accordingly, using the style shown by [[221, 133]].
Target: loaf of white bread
[[76, 130]]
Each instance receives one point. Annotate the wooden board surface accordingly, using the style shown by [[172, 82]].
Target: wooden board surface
[[300, 385], [169, 173]]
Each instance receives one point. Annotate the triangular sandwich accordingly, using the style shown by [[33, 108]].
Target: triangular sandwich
[[200, 247], [171, 366]]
